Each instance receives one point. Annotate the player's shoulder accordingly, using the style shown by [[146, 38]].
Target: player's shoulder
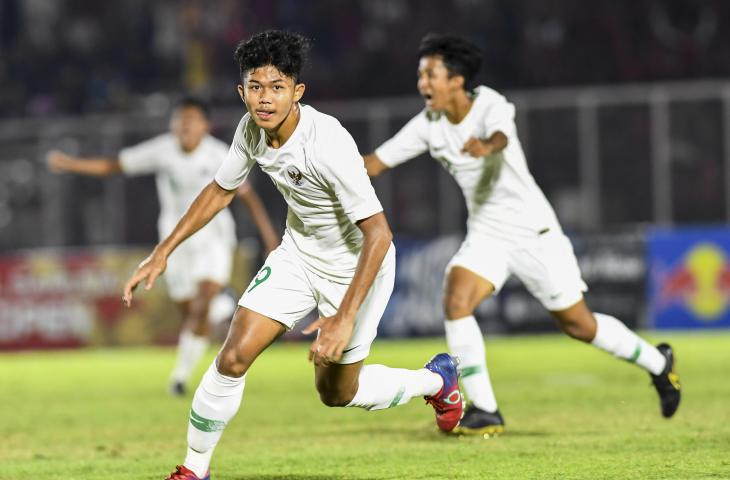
[[163, 142], [215, 144], [249, 137], [322, 128], [313, 118], [487, 95]]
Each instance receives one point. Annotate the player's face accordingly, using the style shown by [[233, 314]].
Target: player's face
[[434, 83], [269, 96], [189, 125]]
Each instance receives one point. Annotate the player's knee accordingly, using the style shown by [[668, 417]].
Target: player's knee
[[232, 363], [457, 306], [200, 306]]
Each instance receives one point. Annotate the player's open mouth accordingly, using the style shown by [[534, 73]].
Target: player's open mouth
[[427, 98]]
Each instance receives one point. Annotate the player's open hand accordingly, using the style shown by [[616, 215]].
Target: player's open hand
[[477, 148], [150, 268], [57, 160], [334, 335]]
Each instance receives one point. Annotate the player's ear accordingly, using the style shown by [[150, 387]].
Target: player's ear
[[457, 81], [298, 91], [240, 92]]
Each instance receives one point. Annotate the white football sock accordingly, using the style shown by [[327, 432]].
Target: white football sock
[[615, 338], [465, 341], [382, 387], [216, 401], [190, 349]]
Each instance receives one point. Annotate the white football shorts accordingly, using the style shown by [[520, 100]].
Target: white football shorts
[[285, 291], [545, 264], [195, 262]]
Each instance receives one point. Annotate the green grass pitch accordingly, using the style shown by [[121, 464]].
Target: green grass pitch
[[571, 412]]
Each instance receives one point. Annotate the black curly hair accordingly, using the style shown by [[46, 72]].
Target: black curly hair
[[460, 56], [190, 101], [286, 51]]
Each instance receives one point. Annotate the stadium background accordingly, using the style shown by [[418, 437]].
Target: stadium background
[[623, 108]]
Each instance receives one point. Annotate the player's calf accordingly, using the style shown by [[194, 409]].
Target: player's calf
[[337, 384], [577, 322]]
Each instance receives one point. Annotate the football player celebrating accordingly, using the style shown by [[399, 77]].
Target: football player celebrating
[[336, 256], [184, 160], [511, 228]]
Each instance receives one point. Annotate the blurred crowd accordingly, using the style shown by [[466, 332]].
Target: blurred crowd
[[75, 56]]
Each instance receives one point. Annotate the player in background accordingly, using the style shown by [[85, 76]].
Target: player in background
[[184, 160], [336, 255], [511, 228]]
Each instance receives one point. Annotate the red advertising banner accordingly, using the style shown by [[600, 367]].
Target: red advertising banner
[[72, 298]]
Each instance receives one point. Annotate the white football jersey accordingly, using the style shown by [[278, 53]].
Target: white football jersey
[[323, 179], [501, 196], [180, 177]]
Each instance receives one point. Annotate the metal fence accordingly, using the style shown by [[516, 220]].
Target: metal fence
[[608, 158]]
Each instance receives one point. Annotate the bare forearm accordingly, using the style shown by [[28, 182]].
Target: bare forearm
[[93, 166], [375, 246], [497, 141], [208, 203], [374, 165]]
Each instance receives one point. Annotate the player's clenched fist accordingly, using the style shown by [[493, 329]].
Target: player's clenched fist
[[150, 268]]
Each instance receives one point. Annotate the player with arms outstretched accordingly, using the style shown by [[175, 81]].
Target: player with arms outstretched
[[336, 256], [184, 160], [511, 228]]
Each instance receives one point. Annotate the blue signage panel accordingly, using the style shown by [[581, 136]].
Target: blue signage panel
[[689, 278]]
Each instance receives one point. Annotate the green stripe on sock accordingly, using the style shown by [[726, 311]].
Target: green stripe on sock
[[635, 355], [205, 424], [466, 371], [397, 397]]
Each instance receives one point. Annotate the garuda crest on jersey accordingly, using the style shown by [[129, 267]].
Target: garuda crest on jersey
[[294, 176]]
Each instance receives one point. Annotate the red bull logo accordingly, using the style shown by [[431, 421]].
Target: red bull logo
[[700, 282]]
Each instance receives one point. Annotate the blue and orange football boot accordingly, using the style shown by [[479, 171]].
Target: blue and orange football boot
[[182, 473], [447, 402]]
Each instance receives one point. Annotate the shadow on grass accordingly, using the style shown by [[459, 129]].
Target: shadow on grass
[[301, 477], [529, 433], [425, 433]]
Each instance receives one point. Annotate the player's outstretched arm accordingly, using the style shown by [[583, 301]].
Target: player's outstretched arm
[[374, 165], [260, 216], [94, 166], [208, 203], [335, 331]]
